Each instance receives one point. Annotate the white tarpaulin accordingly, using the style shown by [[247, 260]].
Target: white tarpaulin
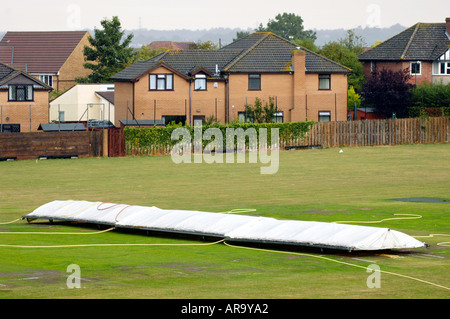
[[228, 226]]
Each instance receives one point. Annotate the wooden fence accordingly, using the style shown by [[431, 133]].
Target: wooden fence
[[378, 132], [350, 133], [51, 144]]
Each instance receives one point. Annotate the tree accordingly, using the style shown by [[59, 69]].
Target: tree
[[107, 55], [339, 53], [241, 35], [145, 53], [206, 45], [346, 51], [353, 98], [388, 92], [258, 113], [288, 26]]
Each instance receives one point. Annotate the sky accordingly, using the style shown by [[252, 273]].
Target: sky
[[66, 15]]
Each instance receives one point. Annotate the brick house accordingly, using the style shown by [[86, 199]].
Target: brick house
[[23, 101], [195, 84], [55, 58], [424, 49]]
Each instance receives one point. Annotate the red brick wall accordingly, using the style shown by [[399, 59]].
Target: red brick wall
[[426, 70]]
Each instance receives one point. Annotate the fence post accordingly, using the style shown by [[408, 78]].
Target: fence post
[[105, 142]]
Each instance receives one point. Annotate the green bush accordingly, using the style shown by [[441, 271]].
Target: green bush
[[431, 95]]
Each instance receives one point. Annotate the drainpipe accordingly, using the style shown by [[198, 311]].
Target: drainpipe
[[133, 100], [227, 99]]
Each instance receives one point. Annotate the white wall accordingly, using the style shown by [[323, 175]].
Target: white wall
[[74, 103]]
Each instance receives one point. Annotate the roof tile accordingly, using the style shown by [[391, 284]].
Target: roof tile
[[422, 41], [39, 52]]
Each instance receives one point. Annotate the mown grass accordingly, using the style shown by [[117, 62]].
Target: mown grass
[[321, 185]]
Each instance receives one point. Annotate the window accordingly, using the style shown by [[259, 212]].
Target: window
[[415, 68], [254, 81], [177, 119], [442, 65], [20, 93], [9, 128], [47, 79], [161, 82], [324, 81], [61, 116], [441, 68], [277, 117], [244, 118], [324, 116], [373, 66], [200, 82]]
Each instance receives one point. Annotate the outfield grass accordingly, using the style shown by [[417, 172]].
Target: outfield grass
[[320, 185]]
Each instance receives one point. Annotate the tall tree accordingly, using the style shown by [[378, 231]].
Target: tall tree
[[346, 51], [388, 92], [241, 35], [108, 54], [289, 26]]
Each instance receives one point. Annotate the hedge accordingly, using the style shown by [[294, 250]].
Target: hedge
[[150, 138], [417, 111]]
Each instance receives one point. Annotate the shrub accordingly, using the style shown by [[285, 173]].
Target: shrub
[[160, 137]]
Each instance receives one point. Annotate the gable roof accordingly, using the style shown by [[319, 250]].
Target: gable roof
[[39, 52], [9, 75], [422, 41], [262, 52]]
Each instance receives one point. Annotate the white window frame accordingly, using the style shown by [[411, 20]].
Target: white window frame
[[411, 68], [46, 78], [160, 82], [324, 114], [437, 64], [200, 82], [325, 81]]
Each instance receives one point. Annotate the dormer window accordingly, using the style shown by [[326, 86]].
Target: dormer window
[[200, 82]]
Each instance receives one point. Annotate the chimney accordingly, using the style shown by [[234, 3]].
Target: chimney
[[298, 111], [447, 24]]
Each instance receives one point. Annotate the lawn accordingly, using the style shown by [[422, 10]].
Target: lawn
[[322, 185]]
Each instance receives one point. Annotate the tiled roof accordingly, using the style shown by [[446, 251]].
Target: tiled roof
[[262, 52], [170, 45], [39, 52], [108, 96], [184, 61], [422, 41], [5, 71], [9, 75], [267, 52]]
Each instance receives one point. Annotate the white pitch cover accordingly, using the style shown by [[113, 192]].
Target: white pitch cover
[[228, 226]]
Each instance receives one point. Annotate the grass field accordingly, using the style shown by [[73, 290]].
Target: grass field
[[319, 185]]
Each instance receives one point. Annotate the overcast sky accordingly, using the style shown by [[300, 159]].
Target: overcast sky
[[46, 15]]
